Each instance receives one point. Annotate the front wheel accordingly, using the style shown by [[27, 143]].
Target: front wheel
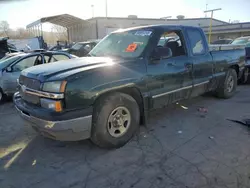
[[115, 120], [228, 87]]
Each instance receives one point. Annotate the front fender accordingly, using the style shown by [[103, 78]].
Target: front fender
[[82, 91]]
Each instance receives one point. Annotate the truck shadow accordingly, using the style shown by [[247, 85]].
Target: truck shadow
[[41, 159]]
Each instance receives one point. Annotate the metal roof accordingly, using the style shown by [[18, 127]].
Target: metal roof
[[157, 19], [64, 20]]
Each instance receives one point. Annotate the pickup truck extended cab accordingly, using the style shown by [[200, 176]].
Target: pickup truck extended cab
[[107, 95]]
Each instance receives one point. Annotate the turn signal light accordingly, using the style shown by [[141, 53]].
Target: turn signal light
[[58, 106]]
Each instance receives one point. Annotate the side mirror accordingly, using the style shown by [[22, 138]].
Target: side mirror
[[161, 53], [9, 69]]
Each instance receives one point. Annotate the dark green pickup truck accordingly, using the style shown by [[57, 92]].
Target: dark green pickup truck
[[106, 96]]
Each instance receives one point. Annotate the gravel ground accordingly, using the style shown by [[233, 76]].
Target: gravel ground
[[181, 147]]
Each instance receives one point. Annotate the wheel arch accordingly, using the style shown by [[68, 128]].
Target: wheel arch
[[236, 68], [134, 92]]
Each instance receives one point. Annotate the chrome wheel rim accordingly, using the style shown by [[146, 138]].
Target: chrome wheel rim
[[119, 121], [230, 83]]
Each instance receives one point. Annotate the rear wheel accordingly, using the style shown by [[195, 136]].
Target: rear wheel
[[228, 87], [115, 120]]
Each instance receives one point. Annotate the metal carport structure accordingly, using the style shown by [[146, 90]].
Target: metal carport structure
[[64, 20]]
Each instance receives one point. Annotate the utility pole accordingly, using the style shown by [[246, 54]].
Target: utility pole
[[93, 14], [106, 7], [211, 19], [206, 10]]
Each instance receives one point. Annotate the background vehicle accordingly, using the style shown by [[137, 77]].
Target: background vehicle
[[129, 73], [6, 47], [244, 41], [61, 45], [81, 49], [222, 41], [10, 68]]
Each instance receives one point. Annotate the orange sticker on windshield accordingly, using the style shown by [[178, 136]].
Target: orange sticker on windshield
[[131, 48]]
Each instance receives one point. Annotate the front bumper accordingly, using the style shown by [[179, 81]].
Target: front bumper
[[64, 130]]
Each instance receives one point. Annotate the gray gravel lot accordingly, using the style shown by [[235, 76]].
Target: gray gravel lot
[[180, 148]]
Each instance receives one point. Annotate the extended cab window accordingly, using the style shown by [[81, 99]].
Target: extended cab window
[[196, 41], [125, 44], [174, 41]]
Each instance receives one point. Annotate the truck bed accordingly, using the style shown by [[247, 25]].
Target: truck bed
[[222, 47]]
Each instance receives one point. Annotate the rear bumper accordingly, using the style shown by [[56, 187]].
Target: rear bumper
[[64, 130]]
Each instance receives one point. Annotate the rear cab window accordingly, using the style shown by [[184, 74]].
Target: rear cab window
[[197, 43]]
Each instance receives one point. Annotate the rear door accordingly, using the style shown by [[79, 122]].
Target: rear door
[[201, 58]]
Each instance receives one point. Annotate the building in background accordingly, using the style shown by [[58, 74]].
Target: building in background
[[98, 27]]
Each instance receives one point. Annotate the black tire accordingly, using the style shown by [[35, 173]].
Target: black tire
[[103, 108], [223, 89], [244, 77], [2, 96]]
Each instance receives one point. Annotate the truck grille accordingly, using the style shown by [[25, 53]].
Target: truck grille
[[29, 82], [32, 84]]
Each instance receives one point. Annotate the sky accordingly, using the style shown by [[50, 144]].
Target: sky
[[21, 13]]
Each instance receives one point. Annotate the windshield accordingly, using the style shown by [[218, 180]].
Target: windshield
[[77, 46], [5, 62], [127, 44], [241, 41]]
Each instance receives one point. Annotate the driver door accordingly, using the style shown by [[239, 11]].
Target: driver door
[[170, 79], [10, 77]]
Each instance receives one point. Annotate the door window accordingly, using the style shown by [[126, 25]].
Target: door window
[[196, 41], [46, 58], [174, 41], [58, 57], [24, 64]]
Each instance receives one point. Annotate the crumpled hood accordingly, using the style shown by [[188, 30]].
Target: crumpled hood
[[43, 72]]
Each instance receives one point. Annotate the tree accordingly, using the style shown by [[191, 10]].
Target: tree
[[22, 33], [4, 28], [60, 32]]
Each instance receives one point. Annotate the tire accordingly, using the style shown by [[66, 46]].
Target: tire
[[106, 110], [2, 96], [244, 77], [225, 90]]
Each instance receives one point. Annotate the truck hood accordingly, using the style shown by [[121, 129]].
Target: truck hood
[[65, 68]]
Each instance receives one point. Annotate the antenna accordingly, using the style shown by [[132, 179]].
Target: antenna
[[106, 7]]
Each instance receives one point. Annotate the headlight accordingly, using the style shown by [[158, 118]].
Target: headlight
[[56, 86], [51, 104]]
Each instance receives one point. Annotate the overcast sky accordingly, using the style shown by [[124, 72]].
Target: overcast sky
[[19, 14]]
